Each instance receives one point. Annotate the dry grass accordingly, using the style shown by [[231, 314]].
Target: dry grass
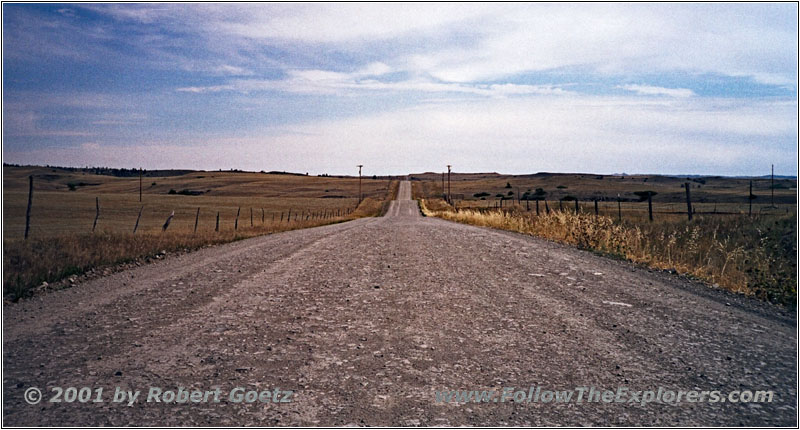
[[587, 187], [57, 211], [755, 256], [61, 242]]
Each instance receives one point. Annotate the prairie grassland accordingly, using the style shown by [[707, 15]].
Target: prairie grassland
[[57, 211], [607, 188], [751, 255], [61, 242]]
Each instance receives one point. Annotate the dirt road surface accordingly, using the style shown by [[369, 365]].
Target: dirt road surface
[[365, 321]]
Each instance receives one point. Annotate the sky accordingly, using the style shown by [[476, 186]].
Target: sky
[[664, 88]]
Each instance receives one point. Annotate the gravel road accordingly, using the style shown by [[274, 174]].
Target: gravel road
[[365, 321]]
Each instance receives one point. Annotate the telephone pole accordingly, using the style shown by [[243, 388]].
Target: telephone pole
[[449, 198], [359, 183], [772, 185]]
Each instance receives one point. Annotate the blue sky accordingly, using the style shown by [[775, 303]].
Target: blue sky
[[514, 88]]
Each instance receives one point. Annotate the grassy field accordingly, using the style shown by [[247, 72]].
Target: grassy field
[[754, 255], [61, 242], [711, 194], [57, 211]]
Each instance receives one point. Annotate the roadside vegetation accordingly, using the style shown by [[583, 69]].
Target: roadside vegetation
[[755, 256], [62, 244]]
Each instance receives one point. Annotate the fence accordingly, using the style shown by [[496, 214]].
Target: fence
[[647, 206], [50, 214]]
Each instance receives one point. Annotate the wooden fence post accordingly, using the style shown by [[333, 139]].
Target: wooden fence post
[[688, 201], [262, 216], [577, 208], [97, 212], [596, 210], [650, 205], [546, 207], [28, 211], [136, 226], [537, 207], [619, 208], [289, 218], [251, 217], [236, 223], [166, 224], [750, 199], [216, 228], [560, 205], [196, 219]]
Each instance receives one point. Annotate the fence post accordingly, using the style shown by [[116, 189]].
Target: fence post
[[560, 205], [97, 213], [619, 208], [650, 205], [251, 217], [688, 201], [196, 219], [166, 224], [28, 211], [596, 210], [750, 200], [546, 207], [262, 216], [217, 226], [577, 208], [537, 207], [289, 218], [236, 223], [135, 226]]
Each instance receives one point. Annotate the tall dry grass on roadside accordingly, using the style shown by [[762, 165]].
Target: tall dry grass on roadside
[[755, 256]]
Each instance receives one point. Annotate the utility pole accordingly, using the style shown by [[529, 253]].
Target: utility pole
[[449, 199], [359, 183], [442, 183], [772, 185]]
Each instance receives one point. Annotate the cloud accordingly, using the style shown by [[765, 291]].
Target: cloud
[[486, 42], [648, 90], [227, 69], [67, 12], [522, 135], [323, 82]]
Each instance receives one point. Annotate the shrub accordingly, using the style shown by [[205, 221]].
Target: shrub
[[643, 195]]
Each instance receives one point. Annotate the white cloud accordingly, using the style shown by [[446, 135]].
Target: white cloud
[[565, 133], [487, 42], [327, 82], [658, 91]]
